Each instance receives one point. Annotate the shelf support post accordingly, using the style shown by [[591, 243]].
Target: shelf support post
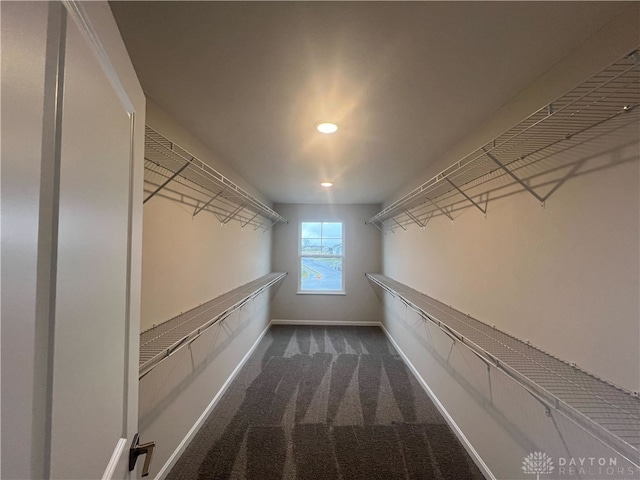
[[166, 182], [513, 175], [467, 196]]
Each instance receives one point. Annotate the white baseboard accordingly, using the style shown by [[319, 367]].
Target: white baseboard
[[454, 426], [196, 426], [327, 323]]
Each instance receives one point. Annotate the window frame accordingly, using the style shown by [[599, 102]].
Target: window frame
[[300, 291]]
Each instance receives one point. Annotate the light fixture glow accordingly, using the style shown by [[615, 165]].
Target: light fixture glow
[[326, 184], [326, 127]]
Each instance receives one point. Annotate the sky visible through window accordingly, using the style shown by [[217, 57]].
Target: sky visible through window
[[321, 256]]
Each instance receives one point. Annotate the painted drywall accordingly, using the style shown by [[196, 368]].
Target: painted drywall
[[361, 255], [189, 260], [565, 276]]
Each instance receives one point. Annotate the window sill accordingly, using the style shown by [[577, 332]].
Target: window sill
[[320, 292]]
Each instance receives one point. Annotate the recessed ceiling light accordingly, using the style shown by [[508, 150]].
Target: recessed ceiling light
[[326, 184], [326, 127]]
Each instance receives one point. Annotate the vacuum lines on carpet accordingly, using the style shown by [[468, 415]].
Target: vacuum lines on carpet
[[320, 403]]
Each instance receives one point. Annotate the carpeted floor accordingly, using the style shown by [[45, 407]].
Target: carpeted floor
[[325, 403]]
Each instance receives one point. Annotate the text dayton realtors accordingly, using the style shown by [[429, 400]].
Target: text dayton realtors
[[600, 466]]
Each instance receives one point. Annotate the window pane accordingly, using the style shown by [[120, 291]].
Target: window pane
[[311, 246], [321, 274], [332, 246], [332, 229], [311, 230]]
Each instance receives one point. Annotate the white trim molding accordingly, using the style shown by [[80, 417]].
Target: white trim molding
[[326, 323], [121, 445]]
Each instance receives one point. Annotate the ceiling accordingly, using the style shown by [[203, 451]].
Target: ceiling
[[404, 81]]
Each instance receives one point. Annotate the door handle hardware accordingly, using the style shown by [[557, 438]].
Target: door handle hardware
[[138, 449]]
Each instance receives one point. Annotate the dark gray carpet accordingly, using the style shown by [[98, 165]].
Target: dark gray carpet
[[324, 403]]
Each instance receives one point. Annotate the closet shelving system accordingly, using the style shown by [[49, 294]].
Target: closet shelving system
[[163, 340], [609, 413], [607, 101], [176, 173]]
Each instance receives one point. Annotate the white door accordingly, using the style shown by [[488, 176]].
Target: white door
[[89, 205]]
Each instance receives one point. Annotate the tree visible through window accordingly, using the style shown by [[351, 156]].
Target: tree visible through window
[[321, 257]]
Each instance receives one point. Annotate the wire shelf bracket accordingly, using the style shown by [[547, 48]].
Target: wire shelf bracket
[[415, 219], [606, 102], [165, 339], [176, 173], [607, 412], [483, 210], [444, 212], [199, 209], [515, 177], [167, 182]]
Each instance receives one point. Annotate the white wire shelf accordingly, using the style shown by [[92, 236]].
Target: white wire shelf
[[605, 102], [606, 411], [174, 172], [165, 339]]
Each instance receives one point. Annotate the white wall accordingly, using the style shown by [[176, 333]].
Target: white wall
[[361, 255], [565, 277], [189, 260], [185, 262]]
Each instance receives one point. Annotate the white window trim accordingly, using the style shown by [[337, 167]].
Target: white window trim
[[342, 291]]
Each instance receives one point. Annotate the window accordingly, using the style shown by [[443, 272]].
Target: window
[[321, 257]]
